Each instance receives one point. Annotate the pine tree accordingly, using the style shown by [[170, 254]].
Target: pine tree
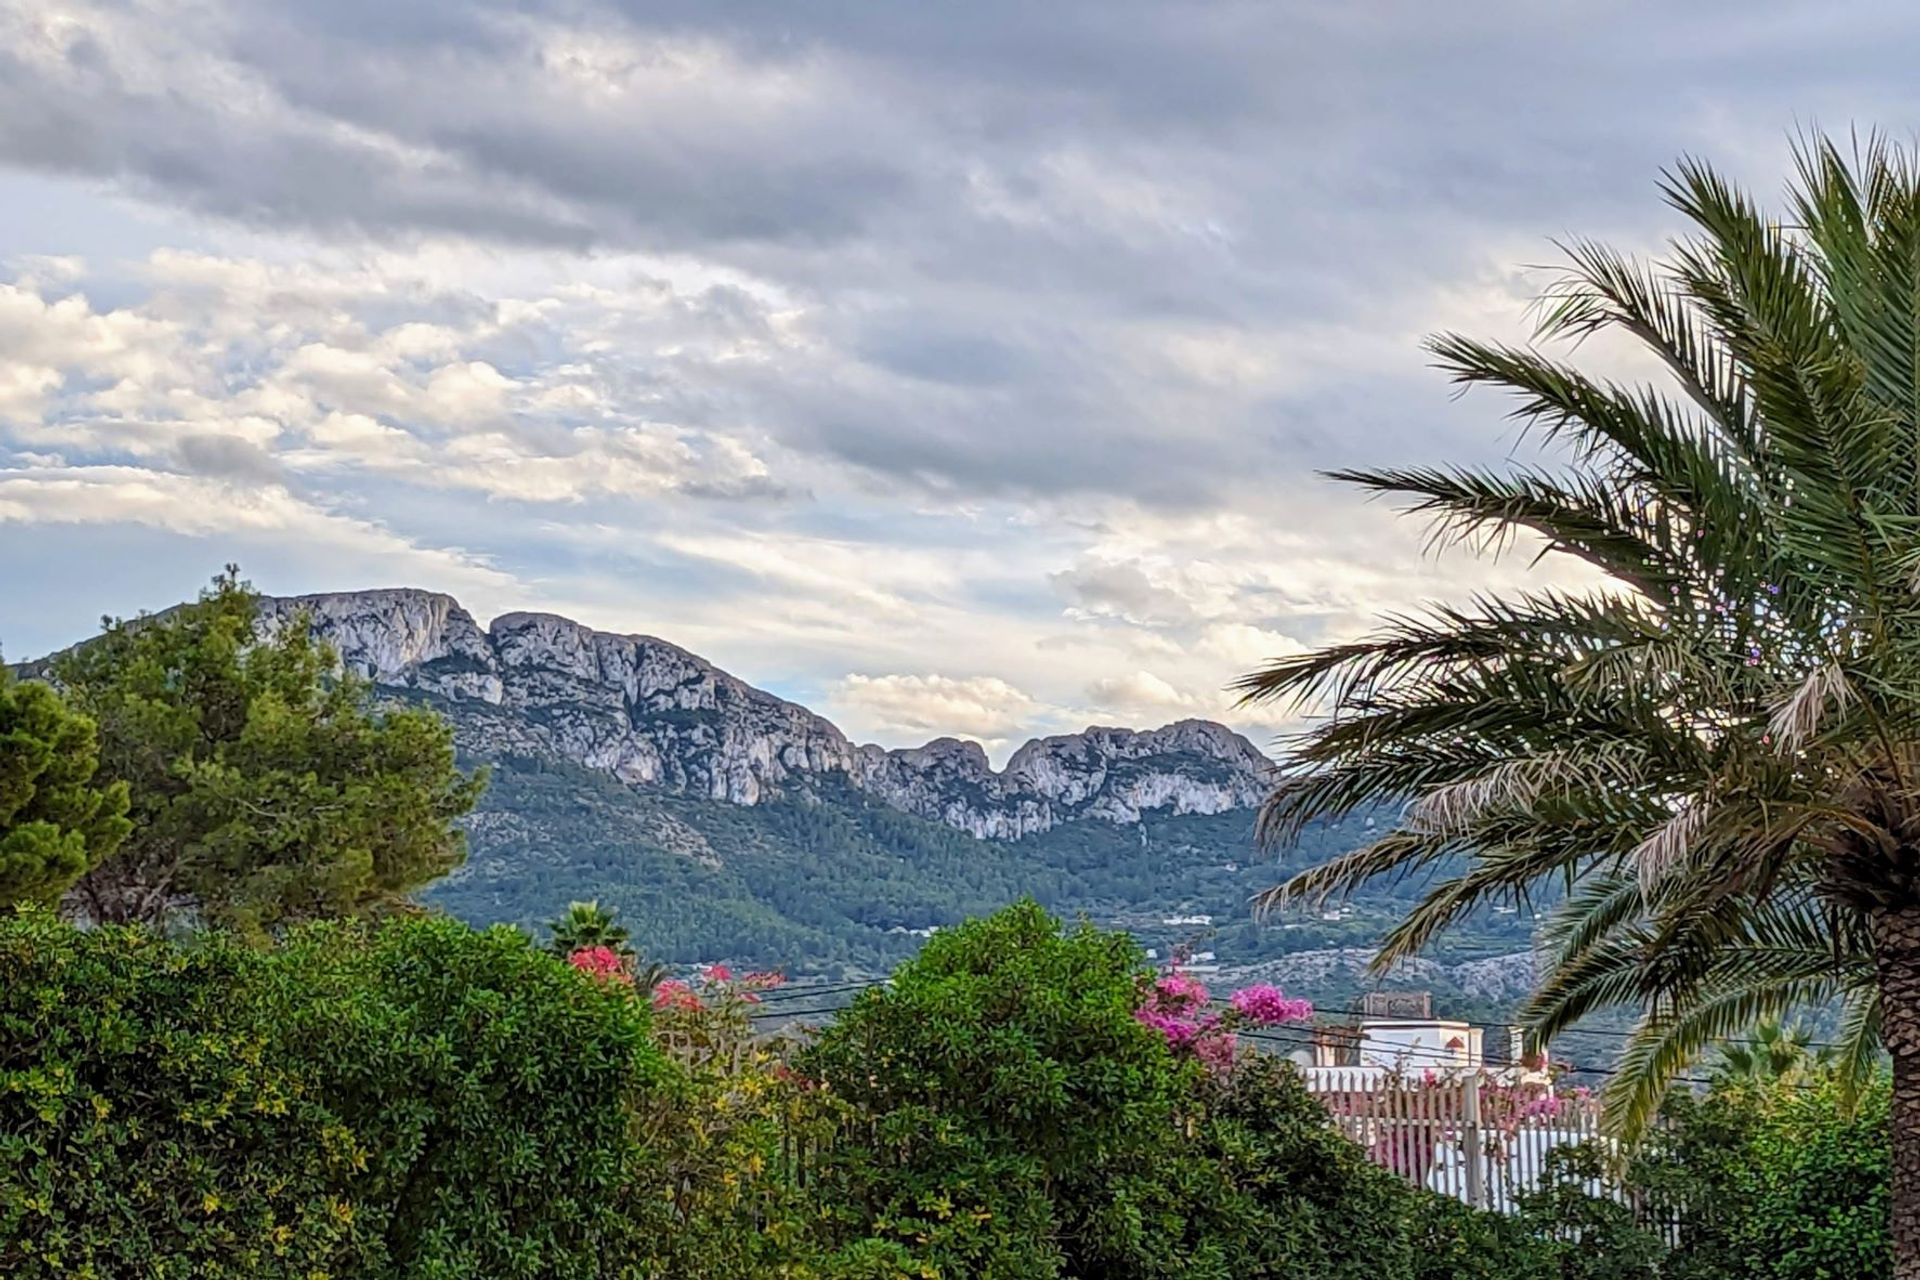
[[56, 822], [265, 785]]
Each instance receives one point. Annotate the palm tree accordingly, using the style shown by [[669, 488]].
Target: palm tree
[[1778, 1051], [1787, 953], [1718, 750], [588, 924]]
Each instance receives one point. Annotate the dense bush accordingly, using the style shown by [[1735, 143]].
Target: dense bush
[[1449, 1241], [1290, 1195], [493, 1094], [1023, 1122], [1775, 1179], [1019, 1124], [148, 1123], [415, 1100]]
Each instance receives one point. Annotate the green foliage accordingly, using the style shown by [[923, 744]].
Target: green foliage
[[149, 1124], [415, 1100], [56, 824], [1016, 1120], [492, 1090], [1023, 1122], [737, 1140], [1586, 1236], [587, 924], [1560, 1230], [264, 789], [1449, 1241], [411, 1098], [1775, 1179], [1289, 1194], [1776, 1051]]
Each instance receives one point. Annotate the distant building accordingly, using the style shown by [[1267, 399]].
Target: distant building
[[1397, 1034]]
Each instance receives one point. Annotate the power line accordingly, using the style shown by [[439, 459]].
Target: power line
[[1568, 1031], [808, 991], [798, 1013]]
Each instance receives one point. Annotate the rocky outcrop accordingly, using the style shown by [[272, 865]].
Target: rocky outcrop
[[649, 712], [1194, 766]]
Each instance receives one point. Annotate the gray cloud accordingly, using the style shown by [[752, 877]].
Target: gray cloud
[[1007, 223], [227, 458], [1055, 306]]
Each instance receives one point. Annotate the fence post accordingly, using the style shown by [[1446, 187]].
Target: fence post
[[1472, 1147]]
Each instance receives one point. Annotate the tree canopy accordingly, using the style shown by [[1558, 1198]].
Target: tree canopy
[[265, 784], [56, 821]]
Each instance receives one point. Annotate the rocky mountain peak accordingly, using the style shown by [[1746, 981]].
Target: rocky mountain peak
[[650, 712]]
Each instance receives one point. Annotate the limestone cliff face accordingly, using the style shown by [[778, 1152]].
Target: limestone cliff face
[[1194, 766], [650, 712]]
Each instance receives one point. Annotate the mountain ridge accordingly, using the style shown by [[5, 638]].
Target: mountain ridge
[[727, 824], [650, 712]]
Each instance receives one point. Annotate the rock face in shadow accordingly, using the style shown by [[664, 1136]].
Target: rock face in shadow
[[649, 712]]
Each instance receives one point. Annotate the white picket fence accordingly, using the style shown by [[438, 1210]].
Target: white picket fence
[[1469, 1135]]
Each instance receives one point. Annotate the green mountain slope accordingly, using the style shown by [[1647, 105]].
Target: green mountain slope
[[833, 883]]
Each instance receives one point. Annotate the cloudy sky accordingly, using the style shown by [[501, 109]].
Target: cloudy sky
[[953, 368]]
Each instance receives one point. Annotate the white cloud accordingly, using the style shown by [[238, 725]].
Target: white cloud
[[925, 706], [205, 509], [993, 350], [1142, 692]]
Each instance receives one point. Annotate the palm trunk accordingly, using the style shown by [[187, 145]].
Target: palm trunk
[[1896, 944]]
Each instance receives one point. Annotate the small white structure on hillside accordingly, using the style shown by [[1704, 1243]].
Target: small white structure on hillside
[[1397, 1035]]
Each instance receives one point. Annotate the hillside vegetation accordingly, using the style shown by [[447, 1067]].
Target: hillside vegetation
[[830, 881]]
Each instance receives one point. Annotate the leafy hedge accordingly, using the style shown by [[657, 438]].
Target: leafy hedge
[[1775, 1180], [1024, 1121], [418, 1099]]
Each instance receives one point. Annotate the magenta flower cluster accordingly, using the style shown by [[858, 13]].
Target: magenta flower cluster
[[1267, 1006], [1178, 1007]]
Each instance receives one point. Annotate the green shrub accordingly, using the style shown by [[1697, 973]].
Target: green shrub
[[493, 1093], [1022, 1123], [1291, 1195], [735, 1138], [1775, 1180], [1586, 1236], [412, 1100], [150, 1125], [1449, 1241], [417, 1099]]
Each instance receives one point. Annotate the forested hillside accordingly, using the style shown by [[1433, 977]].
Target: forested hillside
[[829, 881]]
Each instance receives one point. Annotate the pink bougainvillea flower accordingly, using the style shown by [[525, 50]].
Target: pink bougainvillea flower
[[763, 980], [717, 973], [1179, 1032], [1175, 1005], [1267, 1006], [1215, 1050], [1181, 988], [600, 962]]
